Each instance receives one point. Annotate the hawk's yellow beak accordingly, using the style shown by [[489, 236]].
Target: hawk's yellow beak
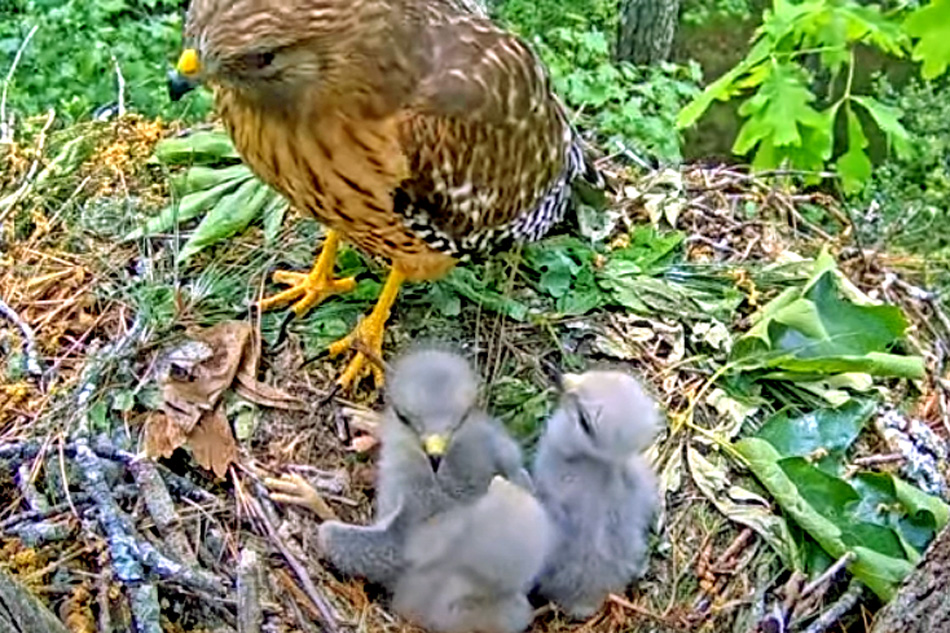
[[435, 445], [188, 64]]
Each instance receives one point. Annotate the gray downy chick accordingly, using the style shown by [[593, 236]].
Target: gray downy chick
[[590, 475], [438, 450], [469, 569]]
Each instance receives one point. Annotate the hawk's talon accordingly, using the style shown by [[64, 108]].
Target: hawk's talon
[[310, 289], [368, 335]]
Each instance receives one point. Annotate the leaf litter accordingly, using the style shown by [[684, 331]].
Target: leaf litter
[[196, 376], [821, 435]]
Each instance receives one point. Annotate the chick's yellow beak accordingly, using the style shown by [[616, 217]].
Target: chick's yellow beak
[[188, 64], [435, 445]]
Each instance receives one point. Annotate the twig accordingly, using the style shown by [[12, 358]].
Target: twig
[[828, 574], [103, 602], [162, 510], [326, 614], [249, 614], [844, 604], [32, 360], [120, 80], [143, 595], [876, 460], [6, 127]]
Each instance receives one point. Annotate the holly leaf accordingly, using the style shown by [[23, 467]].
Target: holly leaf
[[930, 25], [828, 432], [854, 166], [816, 331]]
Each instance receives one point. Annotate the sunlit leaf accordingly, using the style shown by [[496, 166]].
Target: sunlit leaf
[[825, 432], [854, 166], [230, 215], [930, 25]]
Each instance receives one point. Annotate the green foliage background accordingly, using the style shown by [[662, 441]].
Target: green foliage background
[[69, 65]]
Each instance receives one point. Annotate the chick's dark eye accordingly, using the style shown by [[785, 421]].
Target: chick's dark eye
[[402, 417], [584, 421]]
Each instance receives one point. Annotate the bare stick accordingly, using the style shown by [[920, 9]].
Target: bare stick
[[120, 80], [249, 611], [829, 573], [6, 128], [162, 510], [844, 604], [32, 361], [326, 614]]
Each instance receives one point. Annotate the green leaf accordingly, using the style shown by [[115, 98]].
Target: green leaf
[[888, 119], [197, 148], [191, 206], [725, 87], [814, 330], [825, 431], [781, 105], [819, 504], [930, 25], [199, 178], [854, 166], [743, 507], [231, 215], [273, 215], [466, 282]]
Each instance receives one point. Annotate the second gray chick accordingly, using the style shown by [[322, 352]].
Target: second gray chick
[[438, 450], [469, 569], [598, 489]]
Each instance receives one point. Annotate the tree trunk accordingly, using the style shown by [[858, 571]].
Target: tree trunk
[[21, 612], [923, 603], [646, 30]]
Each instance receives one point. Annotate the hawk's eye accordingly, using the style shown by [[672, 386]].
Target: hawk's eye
[[258, 60]]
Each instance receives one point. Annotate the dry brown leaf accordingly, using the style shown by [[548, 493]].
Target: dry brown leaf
[[267, 396], [212, 443], [187, 394], [162, 435], [192, 394]]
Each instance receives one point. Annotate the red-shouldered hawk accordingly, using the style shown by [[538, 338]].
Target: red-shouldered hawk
[[416, 129]]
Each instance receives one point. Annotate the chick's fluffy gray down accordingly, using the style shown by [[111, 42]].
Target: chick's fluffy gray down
[[601, 494], [431, 392], [471, 567]]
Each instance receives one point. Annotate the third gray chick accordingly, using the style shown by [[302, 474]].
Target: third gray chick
[[598, 489], [469, 569], [438, 450]]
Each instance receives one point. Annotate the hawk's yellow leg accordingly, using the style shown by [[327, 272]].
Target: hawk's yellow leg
[[369, 333], [309, 289]]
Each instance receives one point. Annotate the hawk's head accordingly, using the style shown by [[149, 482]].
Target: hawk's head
[[268, 48]]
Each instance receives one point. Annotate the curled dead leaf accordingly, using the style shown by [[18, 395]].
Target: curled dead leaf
[[198, 373], [213, 444]]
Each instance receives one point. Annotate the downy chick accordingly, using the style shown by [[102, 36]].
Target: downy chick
[[438, 450], [598, 489], [469, 569]]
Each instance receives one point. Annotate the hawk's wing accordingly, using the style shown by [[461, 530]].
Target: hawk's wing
[[484, 136]]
